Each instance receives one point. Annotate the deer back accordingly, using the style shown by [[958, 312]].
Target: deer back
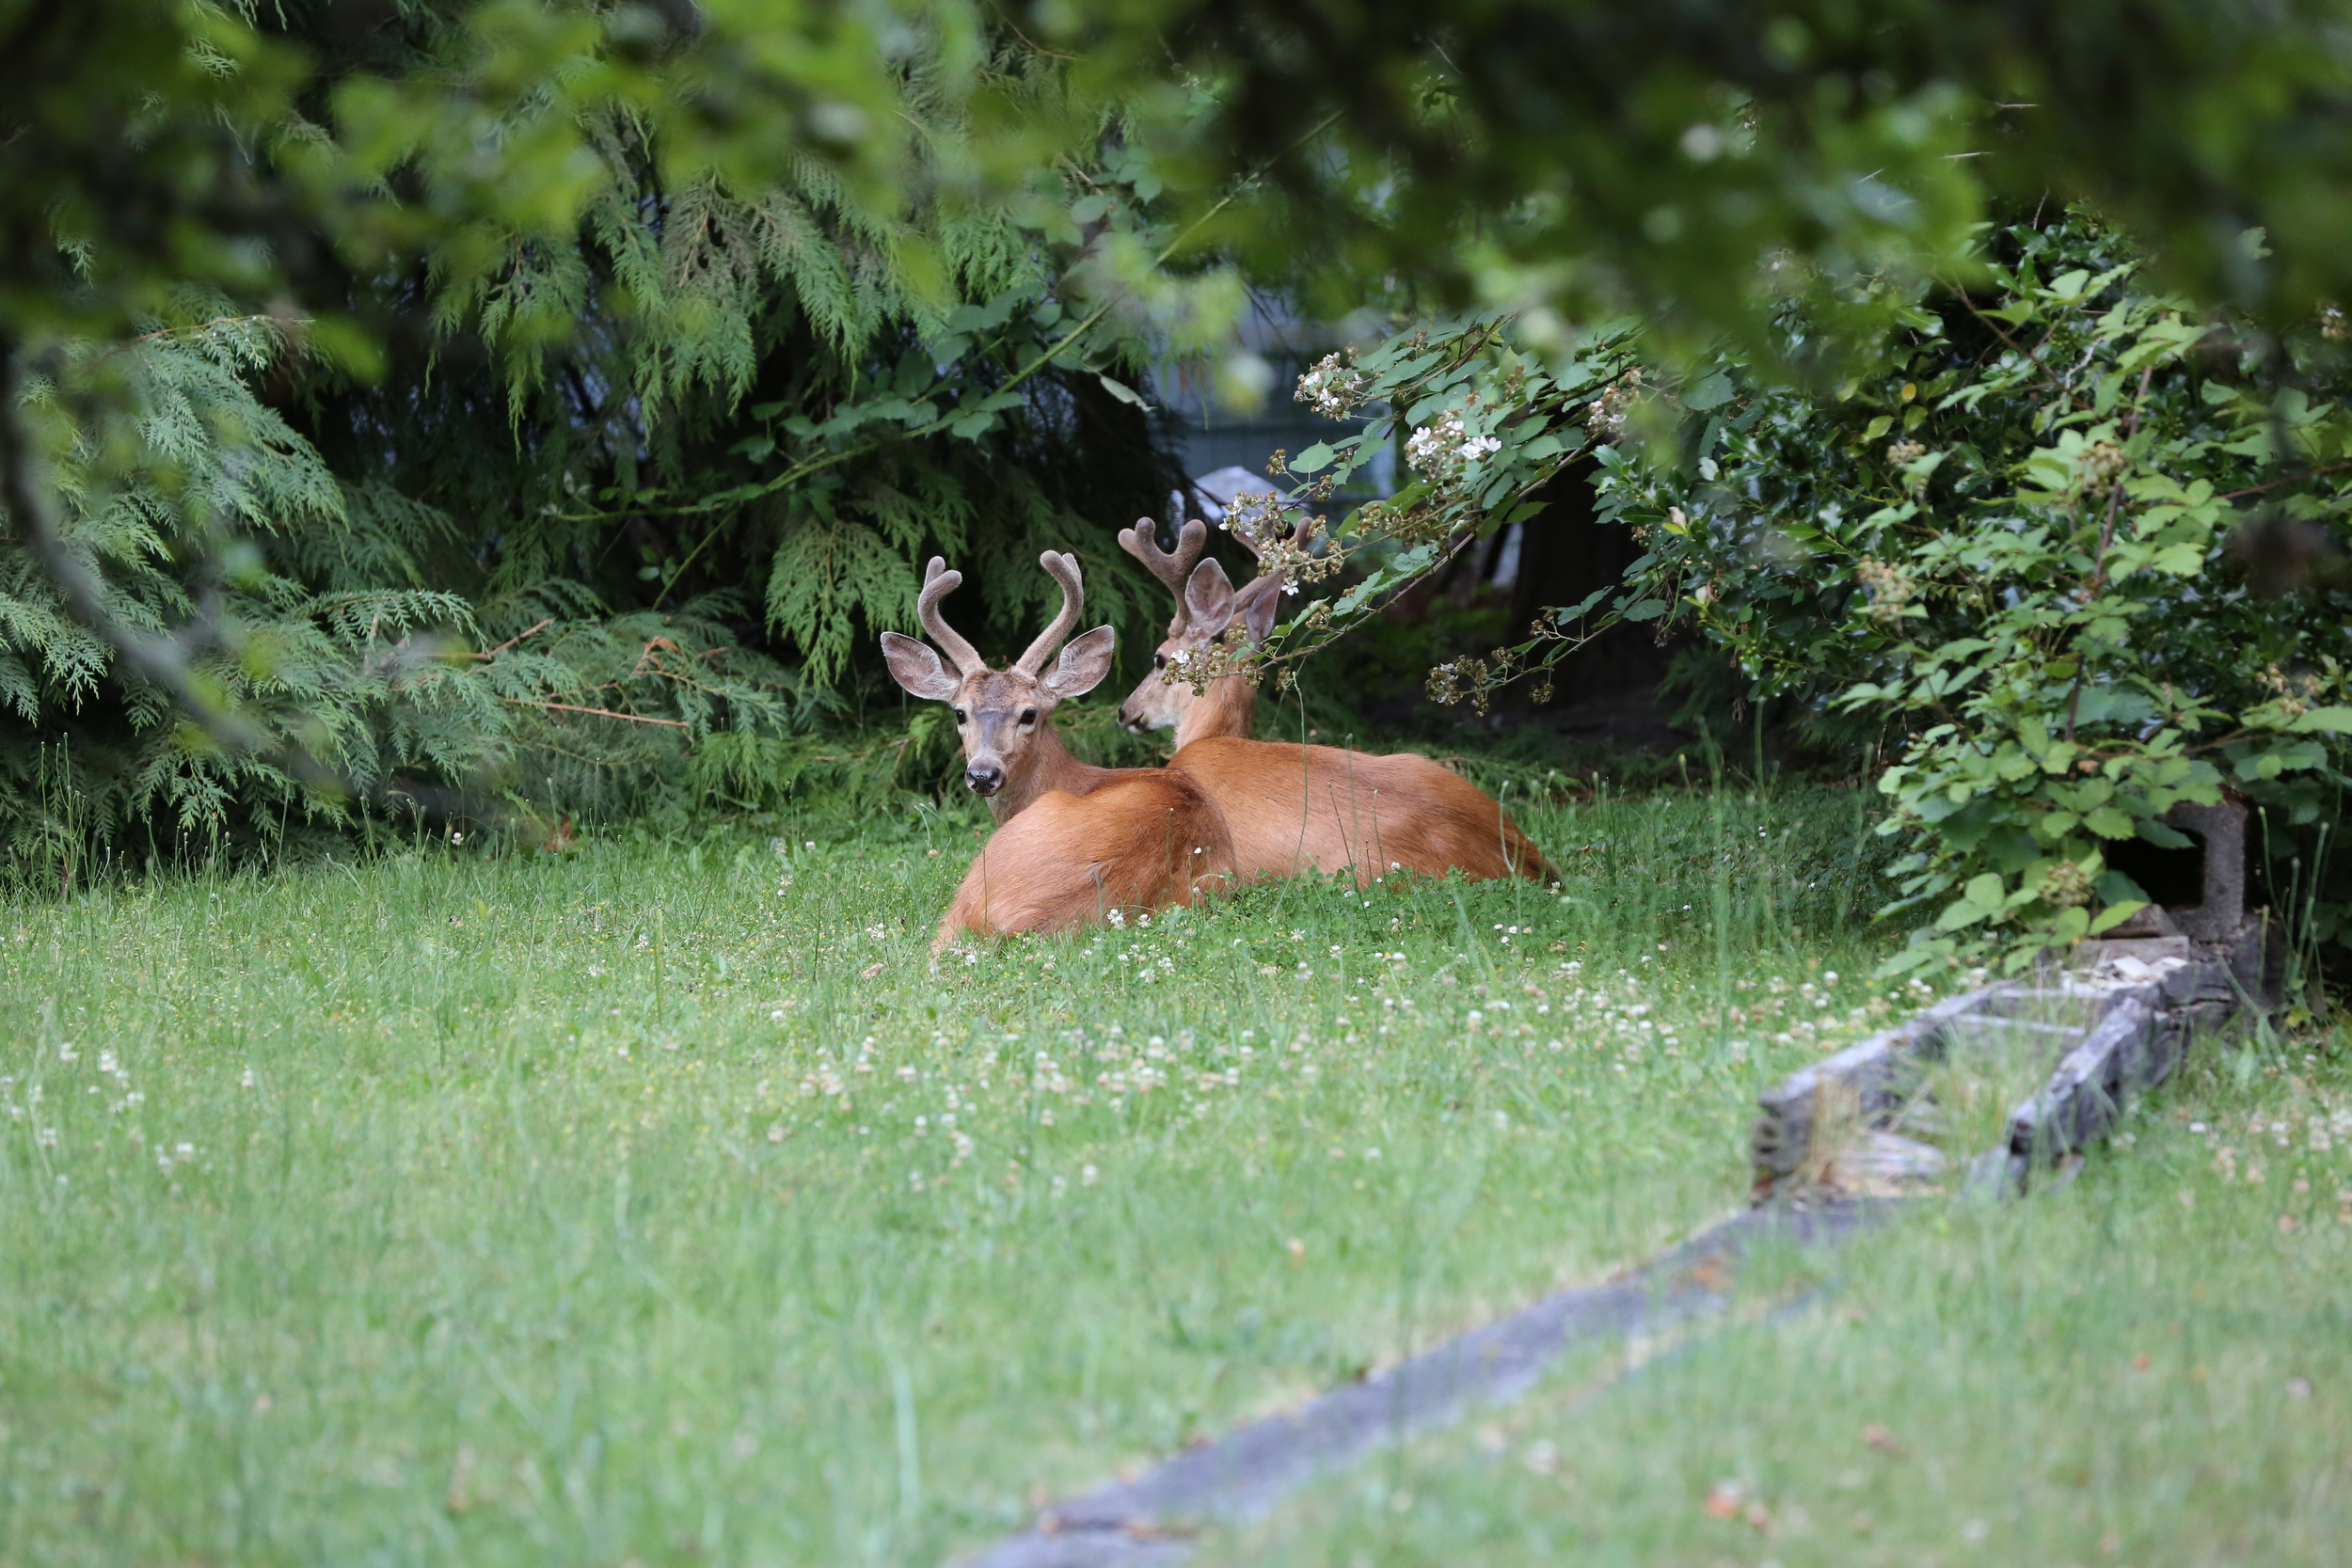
[[1293, 809]]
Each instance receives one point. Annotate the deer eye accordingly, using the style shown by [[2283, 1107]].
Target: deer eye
[[959, 716], [1029, 716], [1159, 661]]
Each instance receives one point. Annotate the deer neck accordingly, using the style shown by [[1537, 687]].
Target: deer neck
[[1052, 767], [1228, 708]]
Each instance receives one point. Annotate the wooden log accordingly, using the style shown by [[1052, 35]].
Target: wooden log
[[2086, 1092]]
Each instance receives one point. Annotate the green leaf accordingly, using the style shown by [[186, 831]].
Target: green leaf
[[2325, 720], [1985, 891], [1127, 394], [2055, 825], [2108, 822], [1313, 459], [2069, 286], [1964, 912], [1713, 392], [2115, 914]]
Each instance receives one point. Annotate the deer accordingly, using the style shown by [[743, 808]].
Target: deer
[[1291, 807], [1073, 842]]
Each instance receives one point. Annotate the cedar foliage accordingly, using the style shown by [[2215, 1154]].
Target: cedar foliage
[[612, 531]]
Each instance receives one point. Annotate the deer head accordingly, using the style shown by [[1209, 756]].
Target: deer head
[[1001, 714], [1207, 603]]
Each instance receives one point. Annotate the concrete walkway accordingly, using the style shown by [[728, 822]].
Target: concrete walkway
[[1148, 1522]]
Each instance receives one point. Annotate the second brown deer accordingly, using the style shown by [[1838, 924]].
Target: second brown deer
[[1290, 807]]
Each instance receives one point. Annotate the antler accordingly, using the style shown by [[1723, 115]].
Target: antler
[[1143, 541], [938, 582], [1064, 569]]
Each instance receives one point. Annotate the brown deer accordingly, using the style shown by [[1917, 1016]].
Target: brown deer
[[1073, 842], [1293, 808]]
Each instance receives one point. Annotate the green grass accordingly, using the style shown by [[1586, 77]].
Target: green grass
[[587, 1209], [2152, 1366]]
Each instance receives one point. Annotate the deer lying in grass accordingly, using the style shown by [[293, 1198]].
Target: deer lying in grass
[[1289, 807], [1073, 842]]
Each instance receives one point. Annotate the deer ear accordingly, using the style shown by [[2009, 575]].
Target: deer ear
[[1083, 664], [1209, 598], [1256, 613], [917, 667]]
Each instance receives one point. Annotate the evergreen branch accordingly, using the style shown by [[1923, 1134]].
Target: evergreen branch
[[808, 468], [162, 660]]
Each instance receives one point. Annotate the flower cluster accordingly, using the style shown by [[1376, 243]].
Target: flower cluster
[[1472, 679], [2067, 885], [1444, 451], [1332, 388], [1285, 547], [2104, 463], [1890, 587], [1905, 455], [1606, 416]]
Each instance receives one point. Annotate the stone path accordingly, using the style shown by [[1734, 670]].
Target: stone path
[[1148, 1522]]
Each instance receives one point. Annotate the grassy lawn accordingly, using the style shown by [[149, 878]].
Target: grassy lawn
[[656, 1202], [2152, 1366]]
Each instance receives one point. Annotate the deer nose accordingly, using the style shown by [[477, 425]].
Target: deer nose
[[983, 778], [1128, 719]]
